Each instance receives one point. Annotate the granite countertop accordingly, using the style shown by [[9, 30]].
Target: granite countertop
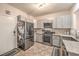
[[71, 46], [62, 35]]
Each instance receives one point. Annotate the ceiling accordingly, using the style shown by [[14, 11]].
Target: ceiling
[[36, 9]]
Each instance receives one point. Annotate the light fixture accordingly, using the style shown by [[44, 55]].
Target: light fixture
[[40, 5], [7, 12]]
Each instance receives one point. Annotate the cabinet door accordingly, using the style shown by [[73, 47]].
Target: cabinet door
[[40, 24], [64, 22], [67, 21], [55, 23], [59, 22]]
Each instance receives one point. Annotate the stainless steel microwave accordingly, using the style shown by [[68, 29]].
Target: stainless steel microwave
[[47, 25]]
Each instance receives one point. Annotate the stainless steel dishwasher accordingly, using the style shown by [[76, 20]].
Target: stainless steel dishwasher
[[56, 41]]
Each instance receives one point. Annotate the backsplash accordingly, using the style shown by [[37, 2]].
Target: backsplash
[[62, 31], [75, 33], [57, 31]]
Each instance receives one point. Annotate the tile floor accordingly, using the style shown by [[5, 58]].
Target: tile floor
[[37, 50]]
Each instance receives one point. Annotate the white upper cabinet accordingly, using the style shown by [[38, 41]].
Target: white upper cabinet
[[64, 21], [67, 21], [59, 22], [39, 24], [55, 23]]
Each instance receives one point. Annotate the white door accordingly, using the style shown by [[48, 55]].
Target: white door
[[7, 37]]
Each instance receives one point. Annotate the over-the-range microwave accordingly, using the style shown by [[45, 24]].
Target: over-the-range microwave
[[47, 25]]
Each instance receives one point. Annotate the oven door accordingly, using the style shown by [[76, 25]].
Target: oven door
[[47, 38]]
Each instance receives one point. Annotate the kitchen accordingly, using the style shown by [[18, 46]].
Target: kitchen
[[33, 29]]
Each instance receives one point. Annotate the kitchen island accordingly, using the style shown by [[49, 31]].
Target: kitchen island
[[72, 47], [69, 46]]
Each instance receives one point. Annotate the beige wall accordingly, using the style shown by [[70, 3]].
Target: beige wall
[[75, 30], [7, 26], [77, 20], [14, 12], [74, 9]]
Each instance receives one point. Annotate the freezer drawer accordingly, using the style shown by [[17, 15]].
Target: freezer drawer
[[28, 43]]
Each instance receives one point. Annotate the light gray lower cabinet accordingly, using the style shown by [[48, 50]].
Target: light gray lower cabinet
[[56, 41], [39, 38]]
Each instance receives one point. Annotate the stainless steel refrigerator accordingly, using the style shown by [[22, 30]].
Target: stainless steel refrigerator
[[25, 34], [29, 35]]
